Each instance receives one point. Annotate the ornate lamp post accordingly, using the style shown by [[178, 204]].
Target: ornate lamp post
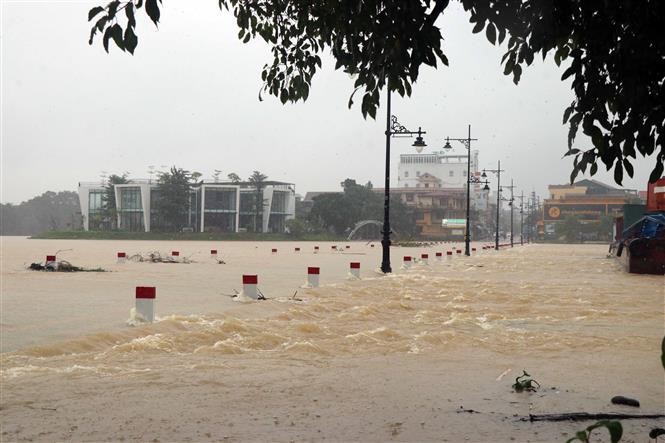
[[498, 172], [393, 129], [467, 144]]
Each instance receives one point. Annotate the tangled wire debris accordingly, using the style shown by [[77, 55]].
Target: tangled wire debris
[[61, 266], [157, 257]]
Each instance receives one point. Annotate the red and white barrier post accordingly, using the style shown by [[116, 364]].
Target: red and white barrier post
[[175, 253], [313, 277], [354, 269], [347, 247], [296, 249], [406, 263], [316, 249], [122, 257], [439, 256], [449, 254], [51, 261], [459, 251], [424, 259], [249, 289], [274, 250], [145, 302], [213, 253]]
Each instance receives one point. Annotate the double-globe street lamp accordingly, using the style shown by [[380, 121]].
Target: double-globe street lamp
[[393, 129], [467, 144]]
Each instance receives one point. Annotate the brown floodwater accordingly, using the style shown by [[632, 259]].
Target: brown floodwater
[[400, 357]]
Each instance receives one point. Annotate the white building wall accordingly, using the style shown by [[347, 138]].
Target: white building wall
[[450, 169]]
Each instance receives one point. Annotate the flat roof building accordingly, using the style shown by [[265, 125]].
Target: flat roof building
[[213, 207]]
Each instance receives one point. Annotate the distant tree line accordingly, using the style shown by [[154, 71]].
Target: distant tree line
[[48, 212], [338, 212]]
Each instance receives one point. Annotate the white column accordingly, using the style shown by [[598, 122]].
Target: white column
[[203, 206]]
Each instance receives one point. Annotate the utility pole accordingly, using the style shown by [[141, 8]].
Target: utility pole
[[510, 203], [521, 197], [498, 172]]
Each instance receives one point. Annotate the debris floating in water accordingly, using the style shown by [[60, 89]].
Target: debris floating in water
[[157, 257], [61, 266]]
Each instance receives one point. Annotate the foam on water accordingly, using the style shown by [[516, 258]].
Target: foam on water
[[428, 309]]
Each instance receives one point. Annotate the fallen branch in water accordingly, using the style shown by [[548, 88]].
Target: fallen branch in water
[[581, 416]]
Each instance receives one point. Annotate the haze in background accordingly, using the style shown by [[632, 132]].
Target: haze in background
[[189, 98]]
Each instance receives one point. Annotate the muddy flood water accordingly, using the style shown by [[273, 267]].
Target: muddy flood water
[[425, 354]]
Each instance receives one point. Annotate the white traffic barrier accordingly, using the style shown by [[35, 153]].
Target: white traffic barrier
[[145, 302], [274, 250], [459, 251], [406, 263], [347, 247], [424, 259], [296, 249], [213, 253], [473, 249], [449, 254], [249, 289], [175, 253], [439, 256], [312, 277], [316, 249], [122, 257], [354, 269]]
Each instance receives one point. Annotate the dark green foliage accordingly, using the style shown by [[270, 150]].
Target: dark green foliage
[[257, 180], [614, 427], [172, 201], [339, 212], [569, 229], [109, 208], [525, 383], [613, 51], [47, 212]]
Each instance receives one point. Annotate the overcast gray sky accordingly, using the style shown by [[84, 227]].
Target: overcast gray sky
[[188, 97]]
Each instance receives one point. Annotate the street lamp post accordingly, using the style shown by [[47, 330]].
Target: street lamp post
[[521, 197], [498, 172], [393, 129], [510, 201], [467, 144]]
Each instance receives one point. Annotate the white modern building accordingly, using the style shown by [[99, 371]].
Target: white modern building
[[417, 170], [214, 206]]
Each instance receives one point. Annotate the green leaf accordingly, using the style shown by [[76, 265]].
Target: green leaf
[[130, 40], [594, 169], [112, 9], [568, 72], [152, 9], [616, 430], [479, 27], [618, 172], [628, 167], [490, 32], [502, 34], [93, 31], [116, 33], [567, 112], [517, 73], [655, 175], [129, 12], [94, 11], [107, 37]]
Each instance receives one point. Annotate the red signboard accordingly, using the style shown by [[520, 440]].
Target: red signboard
[[656, 196]]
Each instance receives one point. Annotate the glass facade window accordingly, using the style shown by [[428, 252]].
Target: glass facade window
[[451, 173]]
